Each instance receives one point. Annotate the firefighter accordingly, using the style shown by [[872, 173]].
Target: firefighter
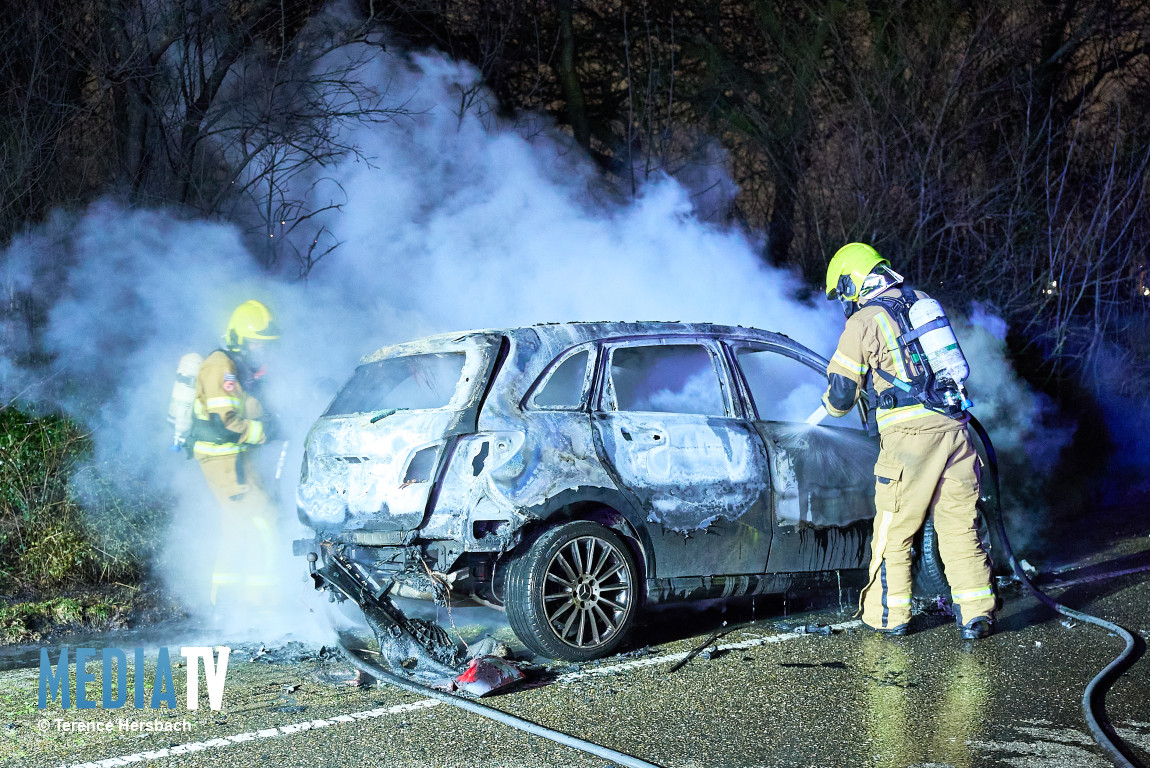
[[927, 463], [230, 422]]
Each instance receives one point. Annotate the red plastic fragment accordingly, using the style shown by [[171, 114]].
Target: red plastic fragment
[[486, 674]]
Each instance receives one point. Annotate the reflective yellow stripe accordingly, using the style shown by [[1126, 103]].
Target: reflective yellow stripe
[[898, 415], [225, 578], [255, 431], [898, 599], [973, 594], [223, 402], [847, 363], [213, 449], [892, 345]]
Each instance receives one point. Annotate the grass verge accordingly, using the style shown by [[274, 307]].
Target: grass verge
[[75, 539]]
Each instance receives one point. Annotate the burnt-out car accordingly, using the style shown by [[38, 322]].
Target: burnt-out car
[[573, 473]]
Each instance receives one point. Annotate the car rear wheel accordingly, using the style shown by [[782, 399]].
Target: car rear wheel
[[927, 574], [572, 595]]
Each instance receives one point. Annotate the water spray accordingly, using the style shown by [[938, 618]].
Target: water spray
[[816, 418]]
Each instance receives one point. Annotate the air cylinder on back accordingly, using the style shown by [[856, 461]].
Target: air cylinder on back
[[183, 396], [939, 345]]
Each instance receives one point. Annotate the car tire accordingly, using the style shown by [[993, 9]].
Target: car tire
[[928, 576], [573, 593]]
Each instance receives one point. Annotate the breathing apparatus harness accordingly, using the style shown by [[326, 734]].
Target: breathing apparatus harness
[[187, 430], [938, 369]]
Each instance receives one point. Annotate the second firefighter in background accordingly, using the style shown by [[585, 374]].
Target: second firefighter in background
[[230, 423], [927, 463]]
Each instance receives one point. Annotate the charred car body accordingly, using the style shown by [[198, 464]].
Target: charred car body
[[571, 473]]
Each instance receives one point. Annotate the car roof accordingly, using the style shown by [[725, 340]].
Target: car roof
[[533, 347], [585, 330], [552, 336]]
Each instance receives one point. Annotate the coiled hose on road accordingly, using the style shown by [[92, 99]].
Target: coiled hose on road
[[1094, 697]]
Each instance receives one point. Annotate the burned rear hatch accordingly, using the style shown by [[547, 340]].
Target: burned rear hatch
[[371, 460]]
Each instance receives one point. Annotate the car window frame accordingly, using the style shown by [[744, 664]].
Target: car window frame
[[604, 396], [460, 395], [592, 348], [734, 346]]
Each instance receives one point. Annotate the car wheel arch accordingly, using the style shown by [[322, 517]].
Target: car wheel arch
[[597, 508]]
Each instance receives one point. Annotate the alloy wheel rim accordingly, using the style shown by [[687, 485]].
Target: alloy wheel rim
[[587, 592]]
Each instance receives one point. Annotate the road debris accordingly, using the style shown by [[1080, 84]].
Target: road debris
[[289, 706], [489, 646], [699, 649], [290, 652], [488, 674], [638, 653], [934, 606], [824, 630]]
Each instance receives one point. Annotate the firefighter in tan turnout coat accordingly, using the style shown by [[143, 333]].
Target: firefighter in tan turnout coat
[[229, 422], [927, 462]]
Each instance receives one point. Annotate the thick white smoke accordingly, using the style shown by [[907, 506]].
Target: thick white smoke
[[1026, 428], [457, 222]]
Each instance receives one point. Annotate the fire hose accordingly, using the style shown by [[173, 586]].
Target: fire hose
[[491, 713], [1094, 697]]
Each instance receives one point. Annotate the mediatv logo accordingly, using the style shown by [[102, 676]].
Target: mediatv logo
[[56, 682]]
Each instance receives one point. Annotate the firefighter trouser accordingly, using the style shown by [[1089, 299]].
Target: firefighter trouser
[[245, 564], [920, 471]]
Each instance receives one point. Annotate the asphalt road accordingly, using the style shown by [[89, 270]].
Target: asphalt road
[[771, 696]]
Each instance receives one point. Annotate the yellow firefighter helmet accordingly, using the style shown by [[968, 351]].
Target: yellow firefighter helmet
[[849, 268], [251, 321]]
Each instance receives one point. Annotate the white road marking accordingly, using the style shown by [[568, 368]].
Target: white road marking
[[671, 658], [372, 714], [266, 733]]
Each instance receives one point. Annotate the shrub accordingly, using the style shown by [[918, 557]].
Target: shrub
[[48, 538]]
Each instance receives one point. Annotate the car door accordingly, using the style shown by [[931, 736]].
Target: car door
[[822, 476], [668, 429]]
